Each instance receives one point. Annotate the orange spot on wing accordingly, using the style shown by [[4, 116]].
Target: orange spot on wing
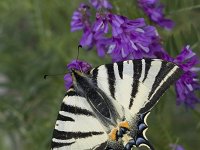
[[112, 134], [124, 124]]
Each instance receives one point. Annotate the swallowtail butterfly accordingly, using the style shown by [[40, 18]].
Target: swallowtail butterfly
[[107, 107]]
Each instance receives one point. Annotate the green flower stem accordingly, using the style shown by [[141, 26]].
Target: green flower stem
[[184, 9]]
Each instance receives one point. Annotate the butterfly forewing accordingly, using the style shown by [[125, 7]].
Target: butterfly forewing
[[136, 84], [76, 126]]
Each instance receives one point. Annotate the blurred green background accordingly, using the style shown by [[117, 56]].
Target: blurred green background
[[35, 39]]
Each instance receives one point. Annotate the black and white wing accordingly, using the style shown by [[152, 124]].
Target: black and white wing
[[136, 84], [76, 127]]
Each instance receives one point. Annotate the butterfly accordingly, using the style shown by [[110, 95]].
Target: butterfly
[[107, 107]]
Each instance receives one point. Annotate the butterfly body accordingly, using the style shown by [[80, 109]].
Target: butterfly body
[[107, 108]]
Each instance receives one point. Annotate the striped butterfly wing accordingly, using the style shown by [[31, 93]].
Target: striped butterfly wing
[[76, 127], [136, 84]]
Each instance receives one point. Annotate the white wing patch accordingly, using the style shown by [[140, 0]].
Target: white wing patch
[[76, 127], [102, 80], [149, 73], [145, 87], [123, 85], [77, 101]]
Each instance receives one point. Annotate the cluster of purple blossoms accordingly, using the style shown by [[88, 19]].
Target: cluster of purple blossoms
[[80, 18], [130, 38], [188, 83], [90, 38], [154, 10], [125, 39]]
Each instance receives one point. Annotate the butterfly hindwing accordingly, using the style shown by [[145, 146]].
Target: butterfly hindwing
[[136, 84], [76, 126]]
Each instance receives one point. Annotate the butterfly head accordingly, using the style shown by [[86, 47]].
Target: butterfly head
[[81, 81]]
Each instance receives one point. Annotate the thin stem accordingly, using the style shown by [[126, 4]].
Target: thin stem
[[195, 45], [184, 9]]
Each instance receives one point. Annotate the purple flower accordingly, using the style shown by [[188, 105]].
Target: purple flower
[[87, 38], [68, 81], [101, 4], [102, 22], [176, 147], [95, 36], [80, 18], [188, 84], [98, 39], [77, 65], [102, 43], [131, 39], [80, 21], [154, 10]]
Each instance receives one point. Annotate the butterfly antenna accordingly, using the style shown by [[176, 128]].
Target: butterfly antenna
[[79, 46], [53, 75]]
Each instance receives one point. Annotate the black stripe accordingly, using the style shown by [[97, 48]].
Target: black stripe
[[120, 69], [94, 75], [164, 70], [147, 67], [62, 135], [111, 79], [75, 110], [175, 76], [57, 145], [64, 118], [137, 67], [98, 102]]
